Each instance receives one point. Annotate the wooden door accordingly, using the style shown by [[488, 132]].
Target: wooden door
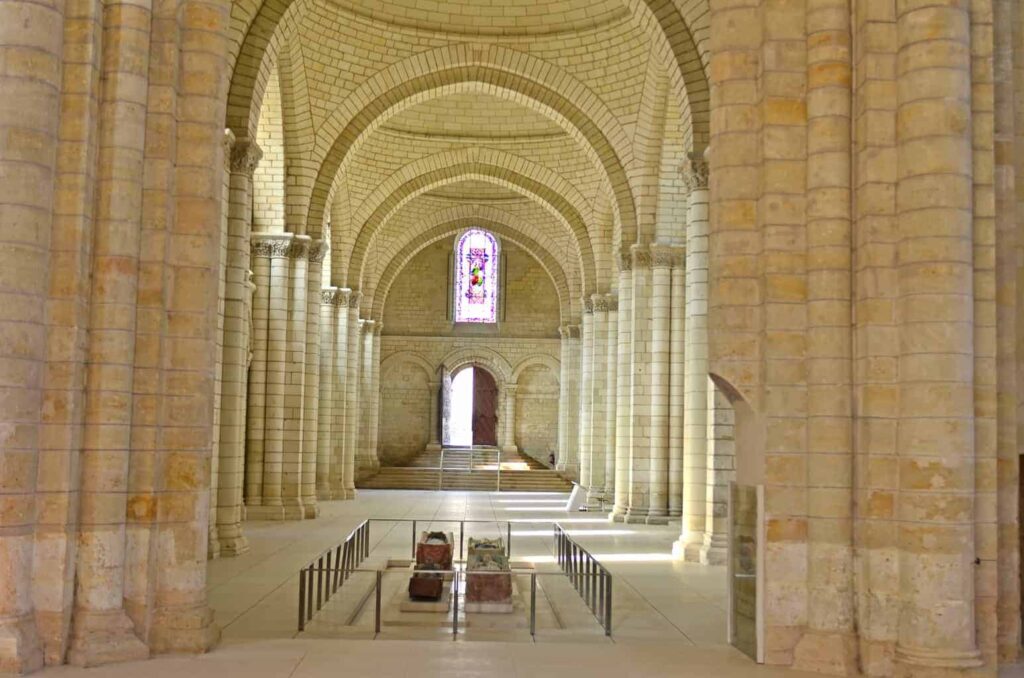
[[485, 406]]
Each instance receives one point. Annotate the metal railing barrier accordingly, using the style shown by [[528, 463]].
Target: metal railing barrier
[[325, 574], [588, 576]]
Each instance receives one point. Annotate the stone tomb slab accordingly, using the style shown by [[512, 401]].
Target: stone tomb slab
[[442, 605]]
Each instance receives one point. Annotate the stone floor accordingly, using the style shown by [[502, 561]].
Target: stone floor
[[671, 622]]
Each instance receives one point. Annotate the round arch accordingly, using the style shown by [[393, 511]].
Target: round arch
[[395, 359], [479, 356], [559, 206], [378, 292], [533, 361], [681, 33]]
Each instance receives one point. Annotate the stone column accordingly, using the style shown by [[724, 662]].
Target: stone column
[[434, 444], [352, 400], [32, 37], [640, 392], [339, 408], [256, 399], [677, 384], [695, 399], [660, 357], [374, 417], [328, 376], [245, 155], [101, 629], [830, 642], [585, 398], [611, 397], [311, 385], [508, 413], [265, 425], [365, 456], [935, 435], [598, 394], [623, 389], [294, 365], [568, 432]]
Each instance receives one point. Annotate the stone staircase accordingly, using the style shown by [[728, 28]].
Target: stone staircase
[[469, 469]]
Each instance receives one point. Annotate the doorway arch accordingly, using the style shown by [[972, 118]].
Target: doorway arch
[[472, 405]]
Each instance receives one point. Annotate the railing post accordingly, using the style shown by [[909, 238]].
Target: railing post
[[309, 594], [302, 600], [376, 619], [414, 540], [508, 542], [455, 602], [608, 609], [319, 582], [462, 525], [327, 578], [533, 603]]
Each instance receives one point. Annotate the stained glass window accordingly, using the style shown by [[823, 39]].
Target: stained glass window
[[476, 277]]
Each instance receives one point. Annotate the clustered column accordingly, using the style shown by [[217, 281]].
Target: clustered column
[[352, 400], [584, 411], [245, 155], [623, 390], [611, 349], [568, 400]]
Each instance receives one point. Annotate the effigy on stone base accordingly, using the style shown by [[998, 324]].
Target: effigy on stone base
[[435, 548], [488, 577]]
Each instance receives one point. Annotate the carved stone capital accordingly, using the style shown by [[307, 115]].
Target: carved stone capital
[[588, 305], [245, 156], [354, 297], [695, 171], [333, 296], [366, 325], [641, 256], [318, 249], [271, 246], [613, 302], [662, 256], [378, 328], [600, 303], [300, 247]]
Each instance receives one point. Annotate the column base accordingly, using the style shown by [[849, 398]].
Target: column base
[[510, 449], [831, 653], [714, 550], [104, 638], [350, 494], [20, 650], [433, 447], [636, 516], [265, 513], [231, 546], [310, 511], [294, 510], [933, 663], [688, 547], [657, 520], [189, 630]]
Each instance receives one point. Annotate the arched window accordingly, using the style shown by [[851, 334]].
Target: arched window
[[476, 277]]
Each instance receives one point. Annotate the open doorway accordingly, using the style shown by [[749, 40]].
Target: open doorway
[[472, 418]]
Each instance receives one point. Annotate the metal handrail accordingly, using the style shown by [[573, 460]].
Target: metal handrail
[[462, 530], [589, 577], [325, 574], [347, 557]]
